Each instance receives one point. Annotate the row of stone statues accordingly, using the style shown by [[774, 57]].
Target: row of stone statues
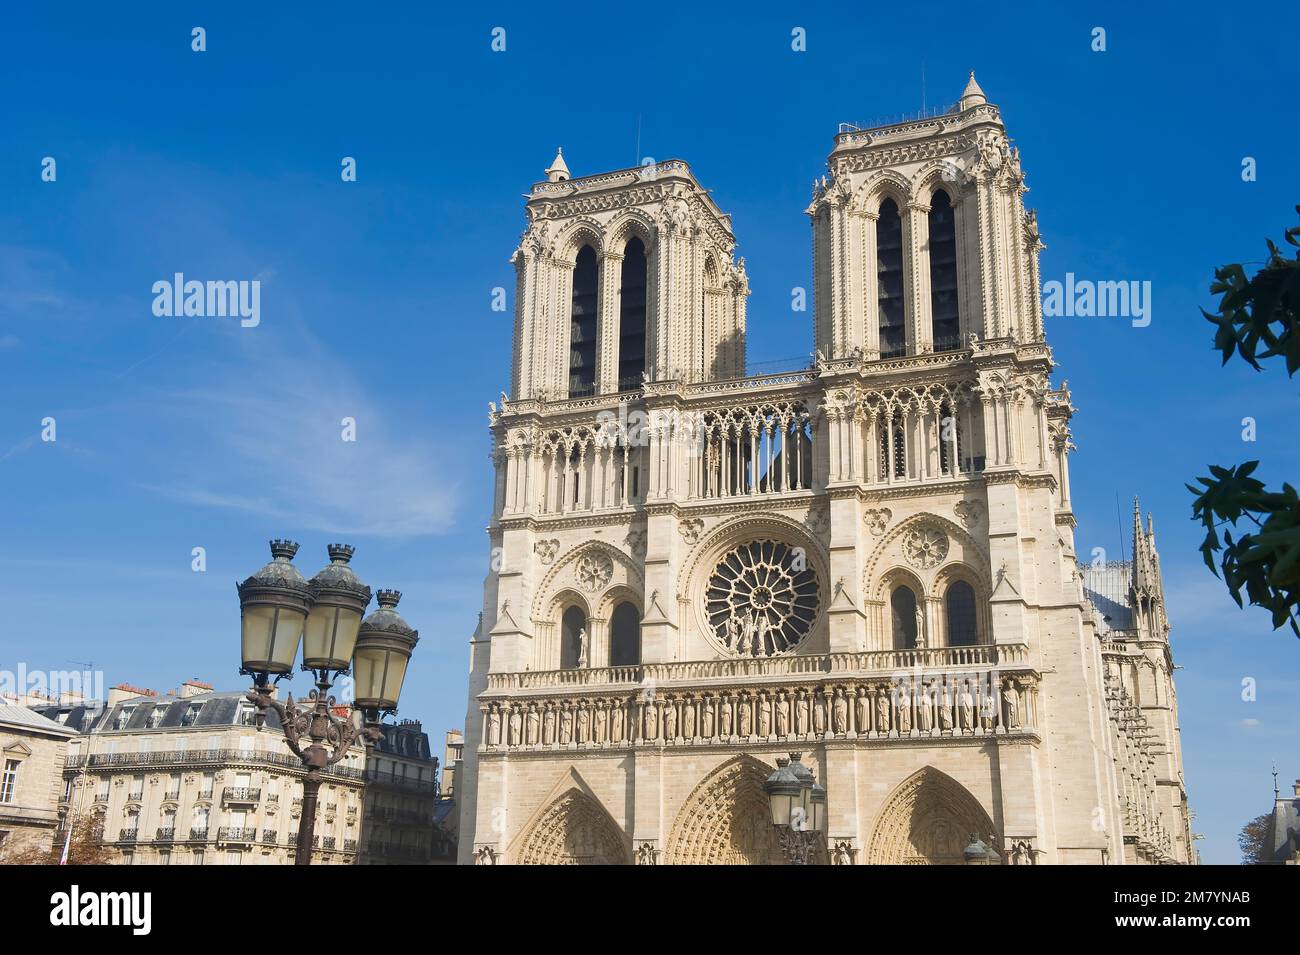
[[903, 708]]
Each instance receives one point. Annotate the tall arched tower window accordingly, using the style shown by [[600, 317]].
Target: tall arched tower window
[[959, 605], [902, 605], [893, 446], [572, 624], [625, 636], [631, 316], [582, 328], [943, 274], [889, 281]]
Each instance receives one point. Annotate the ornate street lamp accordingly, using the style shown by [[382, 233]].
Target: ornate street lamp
[[798, 805], [279, 610], [976, 852], [382, 652]]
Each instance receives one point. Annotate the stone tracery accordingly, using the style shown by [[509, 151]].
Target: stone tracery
[[762, 599]]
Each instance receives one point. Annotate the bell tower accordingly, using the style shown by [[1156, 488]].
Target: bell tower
[[921, 242], [623, 277]]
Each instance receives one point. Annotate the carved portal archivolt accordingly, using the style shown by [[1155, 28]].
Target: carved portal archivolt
[[726, 820], [574, 830], [927, 821]]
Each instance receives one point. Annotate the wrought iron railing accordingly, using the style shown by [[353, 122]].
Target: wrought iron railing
[[202, 757], [241, 794]]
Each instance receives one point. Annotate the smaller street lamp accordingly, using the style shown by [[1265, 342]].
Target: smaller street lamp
[[279, 610], [976, 852], [798, 805]]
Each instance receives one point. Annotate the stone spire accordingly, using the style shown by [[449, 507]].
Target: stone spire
[[558, 171], [972, 95]]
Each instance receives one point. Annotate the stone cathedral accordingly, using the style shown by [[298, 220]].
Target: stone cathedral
[[870, 561]]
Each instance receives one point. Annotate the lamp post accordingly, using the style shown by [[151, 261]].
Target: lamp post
[[798, 804], [976, 852], [279, 609]]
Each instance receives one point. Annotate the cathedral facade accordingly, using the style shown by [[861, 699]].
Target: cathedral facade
[[870, 561]]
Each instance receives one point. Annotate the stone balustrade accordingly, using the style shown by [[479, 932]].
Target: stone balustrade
[[759, 669], [882, 695]]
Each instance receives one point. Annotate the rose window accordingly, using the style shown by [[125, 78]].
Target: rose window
[[762, 599]]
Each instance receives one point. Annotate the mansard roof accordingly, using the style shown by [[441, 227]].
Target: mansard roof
[[25, 719]]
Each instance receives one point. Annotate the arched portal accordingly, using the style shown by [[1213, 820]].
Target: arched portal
[[927, 821], [574, 830], [726, 820]]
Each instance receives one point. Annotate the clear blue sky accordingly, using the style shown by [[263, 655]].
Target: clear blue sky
[[176, 433]]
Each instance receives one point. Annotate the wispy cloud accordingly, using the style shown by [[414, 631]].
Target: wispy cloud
[[263, 434]]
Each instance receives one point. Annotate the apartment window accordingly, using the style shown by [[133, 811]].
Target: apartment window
[[137, 787], [191, 714], [206, 791], [198, 857], [174, 786], [9, 781]]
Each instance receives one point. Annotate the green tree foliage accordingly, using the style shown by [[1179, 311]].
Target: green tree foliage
[[1256, 320], [1251, 840]]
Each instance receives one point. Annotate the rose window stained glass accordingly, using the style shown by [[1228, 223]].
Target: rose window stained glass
[[762, 599]]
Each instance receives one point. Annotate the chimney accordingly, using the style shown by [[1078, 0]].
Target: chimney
[[194, 688], [1297, 788], [125, 691]]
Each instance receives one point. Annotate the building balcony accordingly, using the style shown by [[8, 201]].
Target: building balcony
[[128, 835], [269, 837], [349, 845], [101, 797], [199, 834], [391, 851], [165, 834], [396, 781], [237, 834], [236, 795], [329, 842], [202, 757]]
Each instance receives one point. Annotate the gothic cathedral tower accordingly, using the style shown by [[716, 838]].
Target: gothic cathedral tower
[[870, 562]]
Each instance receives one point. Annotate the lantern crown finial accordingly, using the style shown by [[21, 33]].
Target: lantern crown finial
[[283, 549], [388, 599], [341, 553]]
